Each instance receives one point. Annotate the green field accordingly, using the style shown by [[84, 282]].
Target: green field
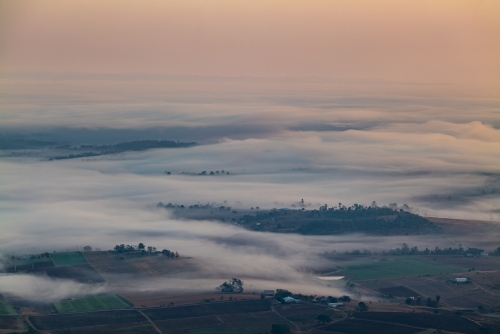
[[5, 308], [68, 259], [394, 267], [90, 303]]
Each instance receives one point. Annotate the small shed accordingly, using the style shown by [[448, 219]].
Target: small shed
[[335, 304], [269, 293]]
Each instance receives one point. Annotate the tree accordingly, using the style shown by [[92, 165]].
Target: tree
[[141, 246], [438, 297], [280, 329], [323, 319], [362, 306], [234, 285]]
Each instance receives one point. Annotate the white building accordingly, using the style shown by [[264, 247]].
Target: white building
[[335, 304], [290, 300], [461, 279]]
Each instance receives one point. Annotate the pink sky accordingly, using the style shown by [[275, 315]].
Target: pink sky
[[453, 42]]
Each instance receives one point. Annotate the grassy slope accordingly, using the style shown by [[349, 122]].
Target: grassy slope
[[5, 308], [68, 259], [396, 267], [90, 303]]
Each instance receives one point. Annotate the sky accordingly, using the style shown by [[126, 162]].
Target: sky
[[330, 101]]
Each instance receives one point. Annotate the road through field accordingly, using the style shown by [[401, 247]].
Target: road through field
[[152, 323]]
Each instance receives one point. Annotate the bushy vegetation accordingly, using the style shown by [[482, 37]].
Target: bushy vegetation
[[234, 285], [342, 220], [407, 250], [139, 145]]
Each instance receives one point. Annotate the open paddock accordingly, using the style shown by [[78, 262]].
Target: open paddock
[[485, 263], [200, 310], [11, 323], [135, 328], [63, 259], [110, 264], [159, 298], [81, 273], [491, 322], [474, 299], [90, 303], [6, 308], [425, 286], [244, 323], [401, 266], [399, 291], [63, 321], [249, 323], [423, 320]]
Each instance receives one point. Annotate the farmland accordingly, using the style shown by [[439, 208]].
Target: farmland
[[371, 269], [10, 323], [253, 322], [68, 259], [5, 308], [90, 303], [450, 323], [128, 328], [62, 321], [80, 273], [201, 310], [109, 264]]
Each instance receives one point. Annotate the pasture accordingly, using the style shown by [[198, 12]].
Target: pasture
[[9, 324], [201, 310], [244, 323], [90, 303], [75, 320], [450, 323], [81, 273], [370, 269], [63, 259], [110, 264], [5, 308]]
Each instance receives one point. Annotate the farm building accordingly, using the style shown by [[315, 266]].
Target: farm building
[[461, 279], [269, 293], [484, 254], [335, 304], [290, 300]]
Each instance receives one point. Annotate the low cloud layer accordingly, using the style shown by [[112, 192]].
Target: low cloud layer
[[45, 290]]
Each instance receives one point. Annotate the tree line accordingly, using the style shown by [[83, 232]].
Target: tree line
[[122, 248], [407, 250]]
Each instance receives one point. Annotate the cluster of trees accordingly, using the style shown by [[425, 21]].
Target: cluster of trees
[[142, 248], [208, 206], [234, 285], [421, 301], [358, 218], [138, 145], [407, 250], [32, 257], [170, 254], [222, 172]]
